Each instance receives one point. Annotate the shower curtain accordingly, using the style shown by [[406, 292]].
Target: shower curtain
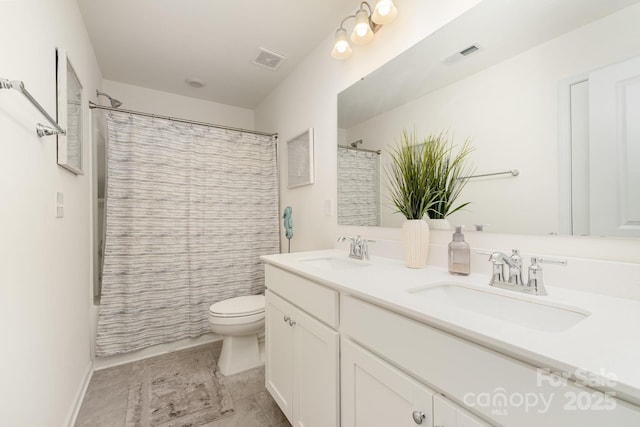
[[358, 187], [189, 209]]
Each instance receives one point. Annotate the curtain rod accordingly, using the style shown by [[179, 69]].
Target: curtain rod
[[93, 105], [361, 149]]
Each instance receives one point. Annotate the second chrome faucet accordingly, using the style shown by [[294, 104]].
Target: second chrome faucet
[[534, 284]]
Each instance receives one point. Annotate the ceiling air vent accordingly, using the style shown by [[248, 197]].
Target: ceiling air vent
[[469, 50], [459, 55], [268, 59]]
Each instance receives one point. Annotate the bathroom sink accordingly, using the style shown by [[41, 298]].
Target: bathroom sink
[[543, 316], [335, 263]]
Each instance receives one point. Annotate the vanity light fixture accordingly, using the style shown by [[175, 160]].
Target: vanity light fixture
[[367, 22]]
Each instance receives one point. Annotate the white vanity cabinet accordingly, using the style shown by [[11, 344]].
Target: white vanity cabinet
[[345, 351], [302, 349], [448, 414], [376, 394], [501, 389]]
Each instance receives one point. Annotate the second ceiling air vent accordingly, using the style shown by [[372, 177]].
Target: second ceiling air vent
[[268, 59], [469, 50], [459, 55]]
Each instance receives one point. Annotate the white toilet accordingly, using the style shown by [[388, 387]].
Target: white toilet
[[239, 321]]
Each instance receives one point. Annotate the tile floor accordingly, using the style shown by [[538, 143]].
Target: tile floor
[[105, 403]]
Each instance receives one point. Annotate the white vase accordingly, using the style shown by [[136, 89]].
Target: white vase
[[415, 242], [439, 224]]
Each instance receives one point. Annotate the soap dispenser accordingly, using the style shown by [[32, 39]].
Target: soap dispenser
[[459, 254]]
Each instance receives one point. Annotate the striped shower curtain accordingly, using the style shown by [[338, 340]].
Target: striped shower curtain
[[189, 210], [358, 187]]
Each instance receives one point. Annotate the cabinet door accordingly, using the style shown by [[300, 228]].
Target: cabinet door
[[448, 414], [375, 394], [316, 373], [279, 352]]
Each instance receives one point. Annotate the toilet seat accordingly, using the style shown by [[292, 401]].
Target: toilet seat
[[238, 321], [238, 306]]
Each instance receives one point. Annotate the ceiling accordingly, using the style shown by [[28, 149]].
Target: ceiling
[[159, 44]]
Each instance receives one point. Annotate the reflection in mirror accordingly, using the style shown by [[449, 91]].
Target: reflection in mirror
[[358, 185], [512, 98]]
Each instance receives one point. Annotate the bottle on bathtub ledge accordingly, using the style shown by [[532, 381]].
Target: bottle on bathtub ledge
[[459, 254]]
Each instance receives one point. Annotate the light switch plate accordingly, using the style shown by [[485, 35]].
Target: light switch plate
[[59, 204], [328, 207]]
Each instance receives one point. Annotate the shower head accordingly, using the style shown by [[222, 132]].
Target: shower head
[[114, 102]]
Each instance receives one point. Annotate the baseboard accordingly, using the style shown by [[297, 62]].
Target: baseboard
[[156, 350], [75, 408]]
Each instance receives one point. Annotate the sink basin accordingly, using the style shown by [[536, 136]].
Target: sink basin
[[543, 316], [335, 263]]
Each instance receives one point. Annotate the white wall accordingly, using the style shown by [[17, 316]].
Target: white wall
[[308, 98], [510, 111], [168, 104], [45, 263]]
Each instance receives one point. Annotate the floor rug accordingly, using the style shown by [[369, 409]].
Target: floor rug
[[178, 391]]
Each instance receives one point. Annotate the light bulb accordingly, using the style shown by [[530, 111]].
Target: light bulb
[[383, 7], [362, 33], [384, 12], [361, 29], [341, 48]]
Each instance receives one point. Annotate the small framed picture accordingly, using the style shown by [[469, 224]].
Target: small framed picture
[[300, 159], [69, 109]]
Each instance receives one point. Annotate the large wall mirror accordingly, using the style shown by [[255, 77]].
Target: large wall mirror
[[551, 89]]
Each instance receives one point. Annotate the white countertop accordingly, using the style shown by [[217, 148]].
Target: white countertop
[[603, 346]]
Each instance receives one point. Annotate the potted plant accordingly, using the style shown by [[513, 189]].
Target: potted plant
[[424, 181], [445, 175], [411, 194]]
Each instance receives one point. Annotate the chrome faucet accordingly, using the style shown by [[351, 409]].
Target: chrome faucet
[[499, 259], [515, 282], [359, 247]]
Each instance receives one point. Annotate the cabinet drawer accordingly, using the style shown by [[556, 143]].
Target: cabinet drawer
[[486, 382], [317, 300]]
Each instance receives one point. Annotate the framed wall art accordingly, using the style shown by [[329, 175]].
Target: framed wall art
[[69, 109], [300, 160]]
